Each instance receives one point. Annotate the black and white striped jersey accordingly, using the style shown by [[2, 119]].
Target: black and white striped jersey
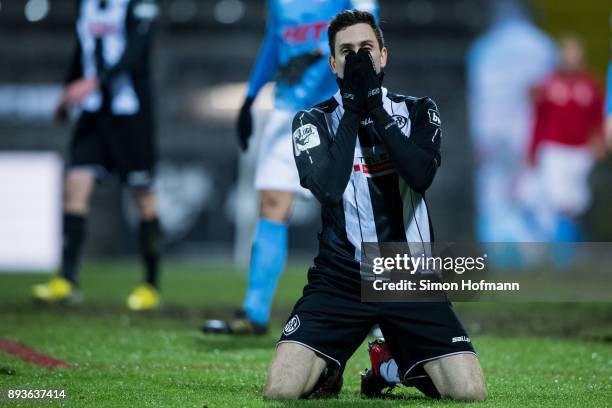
[[113, 44], [369, 174]]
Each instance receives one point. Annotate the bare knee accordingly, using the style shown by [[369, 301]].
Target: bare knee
[[458, 377], [293, 373], [78, 186], [278, 392], [472, 391], [279, 387], [276, 205]]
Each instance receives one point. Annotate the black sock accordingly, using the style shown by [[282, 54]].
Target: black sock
[[74, 235], [150, 242]]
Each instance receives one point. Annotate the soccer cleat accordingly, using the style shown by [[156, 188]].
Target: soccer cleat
[[372, 383], [239, 325], [330, 383], [144, 297], [57, 290]]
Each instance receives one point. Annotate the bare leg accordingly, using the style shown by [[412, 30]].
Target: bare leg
[[458, 377], [276, 205], [78, 186], [146, 204], [294, 372]]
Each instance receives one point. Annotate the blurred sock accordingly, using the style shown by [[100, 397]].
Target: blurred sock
[[268, 257], [564, 253], [74, 235], [568, 230], [150, 242]]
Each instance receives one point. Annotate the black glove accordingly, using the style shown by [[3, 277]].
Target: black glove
[[245, 124], [350, 85], [371, 81]]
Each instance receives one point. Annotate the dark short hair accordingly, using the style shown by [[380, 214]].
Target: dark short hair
[[349, 18]]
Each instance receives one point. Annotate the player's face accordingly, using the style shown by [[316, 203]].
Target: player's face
[[352, 39]]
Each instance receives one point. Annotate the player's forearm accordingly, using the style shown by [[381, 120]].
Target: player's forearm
[[265, 65], [331, 173], [417, 166]]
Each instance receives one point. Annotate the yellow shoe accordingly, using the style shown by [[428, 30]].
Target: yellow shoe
[[57, 290], [144, 297]]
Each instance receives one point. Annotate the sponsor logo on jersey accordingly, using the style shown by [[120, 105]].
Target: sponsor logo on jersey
[[400, 121], [461, 339], [374, 165], [434, 117], [305, 32], [372, 92], [305, 137], [100, 29], [292, 325]]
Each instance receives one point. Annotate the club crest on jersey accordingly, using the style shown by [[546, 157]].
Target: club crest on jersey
[[400, 121], [305, 137], [292, 325], [434, 117]]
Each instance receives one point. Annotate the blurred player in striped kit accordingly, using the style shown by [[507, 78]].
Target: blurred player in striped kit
[[108, 81], [295, 54]]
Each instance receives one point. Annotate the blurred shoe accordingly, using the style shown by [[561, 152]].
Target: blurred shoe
[[144, 297], [239, 325], [57, 290], [372, 383]]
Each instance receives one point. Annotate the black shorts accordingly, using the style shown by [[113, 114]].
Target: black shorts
[[120, 144], [333, 322]]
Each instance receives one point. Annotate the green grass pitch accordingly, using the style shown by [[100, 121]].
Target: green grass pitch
[[532, 355]]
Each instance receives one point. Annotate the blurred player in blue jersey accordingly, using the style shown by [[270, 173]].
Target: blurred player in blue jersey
[[609, 97], [503, 66], [294, 53]]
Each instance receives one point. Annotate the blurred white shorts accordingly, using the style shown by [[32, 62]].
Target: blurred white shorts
[[276, 169], [564, 174]]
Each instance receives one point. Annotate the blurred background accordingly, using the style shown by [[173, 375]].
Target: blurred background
[[203, 54]]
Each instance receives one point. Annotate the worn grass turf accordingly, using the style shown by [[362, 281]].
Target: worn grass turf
[[532, 355]]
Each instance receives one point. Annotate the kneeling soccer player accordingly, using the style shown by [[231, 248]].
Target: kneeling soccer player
[[368, 156]]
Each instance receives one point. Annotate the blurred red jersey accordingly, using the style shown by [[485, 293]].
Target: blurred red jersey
[[568, 111]]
